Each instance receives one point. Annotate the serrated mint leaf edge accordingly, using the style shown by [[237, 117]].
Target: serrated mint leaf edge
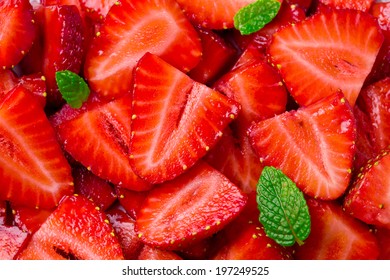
[[73, 88]]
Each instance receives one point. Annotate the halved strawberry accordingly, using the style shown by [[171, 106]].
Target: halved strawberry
[[131, 29], [63, 46], [34, 171], [75, 230], [362, 5], [105, 135], [314, 146], [36, 83], [12, 241], [245, 239], [124, 226], [218, 56], [29, 219], [191, 207], [130, 200], [92, 187], [213, 14], [336, 236], [369, 197], [17, 33], [152, 253], [175, 120], [332, 50]]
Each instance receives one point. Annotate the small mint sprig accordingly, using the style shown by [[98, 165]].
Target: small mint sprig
[[72, 87], [255, 16], [283, 209]]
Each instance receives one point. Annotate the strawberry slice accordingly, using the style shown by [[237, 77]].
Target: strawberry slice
[[97, 9], [130, 200], [17, 33], [383, 236], [369, 197], [192, 207], [336, 235], [75, 230], [29, 219], [175, 120], [34, 171], [362, 5], [105, 134], [326, 53], [217, 14], [8, 81], [152, 253], [131, 29], [314, 146]]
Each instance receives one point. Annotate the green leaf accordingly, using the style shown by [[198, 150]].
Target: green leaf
[[255, 16], [283, 209], [73, 88]]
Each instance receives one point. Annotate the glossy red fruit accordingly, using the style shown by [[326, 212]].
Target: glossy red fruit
[[312, 71], [314, 145], [12, 241], [335, 235], [29, 219], [192, 207], [130, 200], [175, 120], [131, 29], [152, 253], [34, 171], [75, 230], [362, 5]]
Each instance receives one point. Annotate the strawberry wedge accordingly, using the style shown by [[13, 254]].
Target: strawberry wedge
[[131, 29], [332, 50], [314, 146], [175, 120], [33, 169]]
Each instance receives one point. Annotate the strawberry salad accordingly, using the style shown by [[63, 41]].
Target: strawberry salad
[[198, 130]]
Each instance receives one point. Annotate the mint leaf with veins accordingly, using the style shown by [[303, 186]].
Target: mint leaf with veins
[[283, 209], [255, 16], [72, 87]]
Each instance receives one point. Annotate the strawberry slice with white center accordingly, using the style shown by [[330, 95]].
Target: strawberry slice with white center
[[333, 50], [217, 14], [369, 197], [192, 207], [175, 120], [17, 32], [131, 29], [33, 169], [75, 230], [314, 146]]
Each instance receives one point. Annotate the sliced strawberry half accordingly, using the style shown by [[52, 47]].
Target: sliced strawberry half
[[18, 31], [314, 146], [213, 14], [34, 171], [75, 230], [105, 134], [336, 235], [192, 207], [175, 120], [131, 29], [332, 50], [369, 197]]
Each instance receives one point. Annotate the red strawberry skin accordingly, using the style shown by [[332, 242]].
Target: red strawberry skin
[[17, 33], [175, 120], [314, 146], [131, 29], [312, 71], [34, 171], [191, 207], [369, 197], [335, 235], [76, 230]]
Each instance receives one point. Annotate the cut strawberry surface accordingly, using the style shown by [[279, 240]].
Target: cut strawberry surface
[[34, 172], [17, 33], [213, 15], [131, 29], [369, 197], [383, 236], [314, 146], [152, 253], [336, 236], [333, 50], [362, 5], [12, 241], [191, 207], [75, 230], [105, 134], [130, 200], [175, 120], [29, 219], [97, 9]]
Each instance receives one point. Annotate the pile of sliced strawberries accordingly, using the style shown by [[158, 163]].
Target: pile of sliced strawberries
[[162, 160]]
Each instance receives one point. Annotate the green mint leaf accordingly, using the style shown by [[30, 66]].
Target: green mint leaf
[[283, 209], [255, 16], [72, 87]]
